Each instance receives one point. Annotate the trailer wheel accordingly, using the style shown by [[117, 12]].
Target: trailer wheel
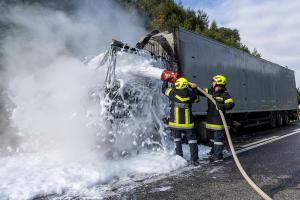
[[279, 119], [273, 120], [286, 119]]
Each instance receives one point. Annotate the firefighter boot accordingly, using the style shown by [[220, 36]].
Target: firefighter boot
[[192, 140], [218, 146]]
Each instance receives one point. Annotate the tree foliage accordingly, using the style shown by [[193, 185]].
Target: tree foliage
[[167, 14]]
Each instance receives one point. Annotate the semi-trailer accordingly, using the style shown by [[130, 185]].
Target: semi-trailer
[[264, 92]]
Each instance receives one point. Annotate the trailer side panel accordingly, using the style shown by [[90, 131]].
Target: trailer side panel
[[256, 85]]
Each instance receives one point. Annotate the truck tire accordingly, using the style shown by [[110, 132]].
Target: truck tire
[[286, 119], [279, 119], [273, 121]]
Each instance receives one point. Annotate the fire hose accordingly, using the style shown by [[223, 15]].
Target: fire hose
[[236, 160]]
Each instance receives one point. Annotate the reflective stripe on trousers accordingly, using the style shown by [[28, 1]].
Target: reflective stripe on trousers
[[192, 141], [218, 143]]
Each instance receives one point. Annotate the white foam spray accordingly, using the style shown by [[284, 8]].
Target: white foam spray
[[64, 138]]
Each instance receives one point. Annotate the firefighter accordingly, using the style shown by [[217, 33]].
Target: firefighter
[[181, 120], [214, 124]]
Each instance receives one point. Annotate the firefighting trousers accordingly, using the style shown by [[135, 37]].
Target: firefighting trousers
[[192, 141], [217, 140]]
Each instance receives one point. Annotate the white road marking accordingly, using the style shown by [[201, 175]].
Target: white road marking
[[253, 143], [266, 142], [298, 129]]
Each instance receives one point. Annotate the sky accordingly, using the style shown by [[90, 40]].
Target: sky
[[272, 27]]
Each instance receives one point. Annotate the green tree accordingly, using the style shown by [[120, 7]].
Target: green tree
[[214, 26], [202, 20]]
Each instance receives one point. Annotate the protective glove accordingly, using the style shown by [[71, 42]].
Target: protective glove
[[220, 106], [193, 85]]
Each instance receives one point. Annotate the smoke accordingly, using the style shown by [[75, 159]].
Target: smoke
[[43, 73], [56, 127]]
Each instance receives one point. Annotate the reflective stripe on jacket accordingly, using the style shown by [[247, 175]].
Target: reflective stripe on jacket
[[214, 121]]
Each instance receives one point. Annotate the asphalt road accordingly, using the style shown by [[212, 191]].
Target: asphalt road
[[274, 166]]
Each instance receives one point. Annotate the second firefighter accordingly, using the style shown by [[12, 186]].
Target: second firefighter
[[214, 124]]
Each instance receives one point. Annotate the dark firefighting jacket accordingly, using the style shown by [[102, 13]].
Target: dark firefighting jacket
[[224, 101], [181, 106]]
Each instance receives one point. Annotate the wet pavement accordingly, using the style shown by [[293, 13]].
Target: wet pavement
[[274, 166]]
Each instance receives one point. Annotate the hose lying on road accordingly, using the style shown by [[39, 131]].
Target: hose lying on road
[[236, 160]]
